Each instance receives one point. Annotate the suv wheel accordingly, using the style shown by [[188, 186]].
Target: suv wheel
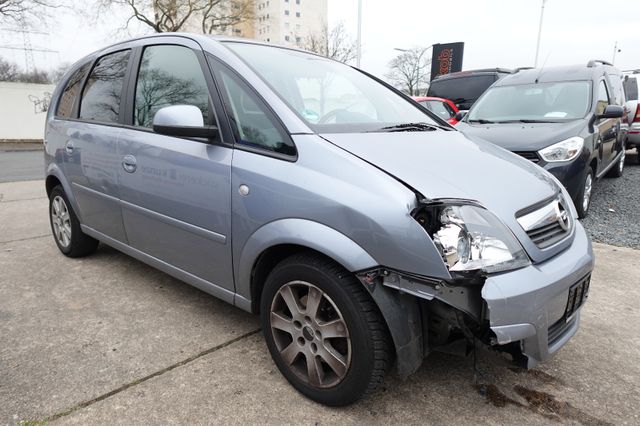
[[616, 171], [583, 201], [323, 331], [65, 226]]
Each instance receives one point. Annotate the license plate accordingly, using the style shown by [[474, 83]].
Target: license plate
[[578, 294]]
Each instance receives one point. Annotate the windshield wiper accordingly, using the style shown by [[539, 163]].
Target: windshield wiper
[[524, 120], [481, 121], [411, 127]]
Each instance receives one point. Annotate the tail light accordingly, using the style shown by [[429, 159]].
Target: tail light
[[634, 129]]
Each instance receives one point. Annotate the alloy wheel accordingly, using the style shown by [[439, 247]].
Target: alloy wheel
[[61, 221], [311, 334]]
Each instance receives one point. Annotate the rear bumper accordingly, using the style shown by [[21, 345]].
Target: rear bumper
[[528, 305]]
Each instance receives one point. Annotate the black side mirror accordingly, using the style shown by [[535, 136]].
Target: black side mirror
[[612, 111], [461, 114]]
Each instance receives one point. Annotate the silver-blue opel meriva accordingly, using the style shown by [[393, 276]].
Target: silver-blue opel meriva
[[364, 230]]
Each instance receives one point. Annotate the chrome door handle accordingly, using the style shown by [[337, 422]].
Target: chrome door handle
[[129, 163], [69, 147]]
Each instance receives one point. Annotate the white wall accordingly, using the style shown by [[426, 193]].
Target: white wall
[[21, 110]]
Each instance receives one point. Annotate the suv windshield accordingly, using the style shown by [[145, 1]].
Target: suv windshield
[[544, 102], [328, 95]]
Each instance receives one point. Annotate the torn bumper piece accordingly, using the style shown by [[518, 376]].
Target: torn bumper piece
[[540, 305]]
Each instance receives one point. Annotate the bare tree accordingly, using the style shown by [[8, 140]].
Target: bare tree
[[409, 70], [177, 15], [333, 43], [24, 12], [8, 70]]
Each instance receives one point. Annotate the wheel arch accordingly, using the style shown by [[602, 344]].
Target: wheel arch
[[55, 177], [401, 313]]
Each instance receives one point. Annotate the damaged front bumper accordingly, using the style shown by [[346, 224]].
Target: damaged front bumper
[[539, 305]]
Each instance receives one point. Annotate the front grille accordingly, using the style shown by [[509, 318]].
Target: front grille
[[529, 155], [547, 235], [548, 224], [557, 330], [578, 294]]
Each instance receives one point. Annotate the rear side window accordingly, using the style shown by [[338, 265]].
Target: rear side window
[[169, 75], [70, 92], [102, 92], [631, 88], [256, 126], [462, 89]]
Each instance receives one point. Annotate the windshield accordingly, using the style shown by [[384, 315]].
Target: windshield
[[328, 95], [544, 102]]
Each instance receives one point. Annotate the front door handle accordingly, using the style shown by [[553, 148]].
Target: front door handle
[[129, 163], [69, 147]]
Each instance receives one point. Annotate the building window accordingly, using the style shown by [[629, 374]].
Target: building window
[[297, 1], [268, 39], [286, 38], [286, 12], [297, 14], [286, 25], [297, 39]]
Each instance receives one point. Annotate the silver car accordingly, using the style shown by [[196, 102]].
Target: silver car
[[363, 230]]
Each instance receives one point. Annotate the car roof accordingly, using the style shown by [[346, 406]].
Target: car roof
[[554, 74], [469, 73]]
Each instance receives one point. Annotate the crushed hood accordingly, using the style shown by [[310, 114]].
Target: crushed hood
[[445, 164]]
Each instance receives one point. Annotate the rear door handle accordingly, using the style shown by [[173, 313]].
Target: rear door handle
[[69, 147], [129, 163]]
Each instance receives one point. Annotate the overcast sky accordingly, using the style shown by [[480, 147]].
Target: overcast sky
[[496, 32]]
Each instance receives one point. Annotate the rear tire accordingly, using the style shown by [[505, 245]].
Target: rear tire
[[616, 171], [583, 200], [65, 227], [323, 330]]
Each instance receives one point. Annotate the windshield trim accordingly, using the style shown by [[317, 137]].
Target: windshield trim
[[313, 127]]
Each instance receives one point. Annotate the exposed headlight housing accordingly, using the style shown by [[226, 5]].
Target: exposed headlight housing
[[566, 150], [470, 238]]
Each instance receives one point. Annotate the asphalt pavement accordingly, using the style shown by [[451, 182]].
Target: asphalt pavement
[[108, 340], [20, 162]]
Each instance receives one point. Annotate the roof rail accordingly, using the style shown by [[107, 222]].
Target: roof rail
[[592, 63], [522, 69], [636, 71]]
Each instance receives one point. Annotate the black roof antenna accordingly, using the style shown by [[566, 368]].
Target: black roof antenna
[[542, 68]]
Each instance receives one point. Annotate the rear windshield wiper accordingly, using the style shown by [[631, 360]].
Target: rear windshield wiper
[[481, 121], [411, 127]]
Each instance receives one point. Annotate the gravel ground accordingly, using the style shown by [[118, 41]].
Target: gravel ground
[[614, 215]]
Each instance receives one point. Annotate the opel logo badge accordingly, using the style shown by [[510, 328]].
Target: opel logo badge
[[562, 217]]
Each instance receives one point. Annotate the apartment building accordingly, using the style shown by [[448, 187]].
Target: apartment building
[[287, 22]]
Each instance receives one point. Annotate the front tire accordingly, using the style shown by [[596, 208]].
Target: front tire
[[583, 200], [65, 227], [324, 332]]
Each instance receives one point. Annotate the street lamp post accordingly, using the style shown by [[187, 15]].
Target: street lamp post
[[359, 41], [535, 64]]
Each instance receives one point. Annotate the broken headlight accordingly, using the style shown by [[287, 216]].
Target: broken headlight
[[470, 238]]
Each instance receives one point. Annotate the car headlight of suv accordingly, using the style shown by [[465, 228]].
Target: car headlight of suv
[[470, 238], [566, 150]]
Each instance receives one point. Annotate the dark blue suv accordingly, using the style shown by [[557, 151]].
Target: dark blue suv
[[565, 119]]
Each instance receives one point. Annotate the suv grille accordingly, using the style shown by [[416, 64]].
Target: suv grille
[[529, 155], [547, 225]]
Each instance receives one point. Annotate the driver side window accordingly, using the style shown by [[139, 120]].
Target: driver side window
[[603, 98]]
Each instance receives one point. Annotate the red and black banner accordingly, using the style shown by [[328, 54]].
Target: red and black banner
[[446, 58]]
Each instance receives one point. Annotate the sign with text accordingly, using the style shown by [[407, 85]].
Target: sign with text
[[447, 58]]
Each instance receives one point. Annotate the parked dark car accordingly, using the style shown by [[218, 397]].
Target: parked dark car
[[565, 119], [465, 87]]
